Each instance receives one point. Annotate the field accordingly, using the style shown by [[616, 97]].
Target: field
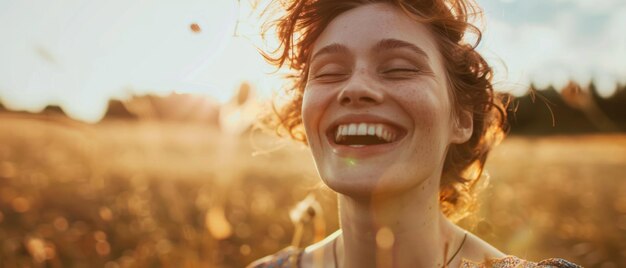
[[158, 194]]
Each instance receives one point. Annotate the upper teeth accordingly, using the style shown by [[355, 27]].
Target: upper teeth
[[382, 131]]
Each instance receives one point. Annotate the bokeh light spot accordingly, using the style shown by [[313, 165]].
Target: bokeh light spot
[[103, 248], [245, 249], [36, 248], [385, 238], [106, 214], [20, 204], [60, 223], [217, 224], [100, 236]]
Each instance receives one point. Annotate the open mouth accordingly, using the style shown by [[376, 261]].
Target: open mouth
[[365, 134]]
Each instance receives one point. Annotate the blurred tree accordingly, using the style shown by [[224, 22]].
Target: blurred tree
[[573, 111]]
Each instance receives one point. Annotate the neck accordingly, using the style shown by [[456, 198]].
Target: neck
[[402, 230]]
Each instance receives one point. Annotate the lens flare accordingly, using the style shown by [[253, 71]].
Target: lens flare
[[351, 161]]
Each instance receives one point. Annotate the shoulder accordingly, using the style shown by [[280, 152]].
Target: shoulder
[[478, 249], [480, 254], [288, 257], [313, 255], [322, 253], [510, 261]]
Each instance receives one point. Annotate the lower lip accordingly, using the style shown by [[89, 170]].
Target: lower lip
[[362, 151]]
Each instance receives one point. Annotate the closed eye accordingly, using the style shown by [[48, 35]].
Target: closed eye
[[329, 75], [399, 70]]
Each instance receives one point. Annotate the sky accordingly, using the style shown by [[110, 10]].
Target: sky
[[79, 54]]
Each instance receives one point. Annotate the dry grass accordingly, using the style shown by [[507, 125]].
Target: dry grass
[[148, 194]]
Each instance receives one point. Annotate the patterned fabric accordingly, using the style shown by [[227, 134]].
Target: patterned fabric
[[290, 258], [515, 262], [286, 258]]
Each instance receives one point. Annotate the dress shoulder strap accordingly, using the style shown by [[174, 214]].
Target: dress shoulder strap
[[288, 257]]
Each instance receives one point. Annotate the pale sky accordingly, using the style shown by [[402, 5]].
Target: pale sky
[[79, 54]]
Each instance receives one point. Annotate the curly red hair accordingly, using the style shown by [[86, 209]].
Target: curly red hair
[[469, 81]]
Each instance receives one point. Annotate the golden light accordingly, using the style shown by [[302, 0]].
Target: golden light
[[385, 238], [217, 224], [20, 204], [60, 223]]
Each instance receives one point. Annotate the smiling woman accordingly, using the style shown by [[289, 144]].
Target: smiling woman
[[400, 116]]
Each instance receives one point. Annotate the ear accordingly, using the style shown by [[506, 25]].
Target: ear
[[462, 126]]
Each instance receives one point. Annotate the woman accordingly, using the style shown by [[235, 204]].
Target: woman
[[400, 114]]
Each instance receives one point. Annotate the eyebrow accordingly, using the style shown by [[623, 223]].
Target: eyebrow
[[387, 44], [382, 45], [331, 49]]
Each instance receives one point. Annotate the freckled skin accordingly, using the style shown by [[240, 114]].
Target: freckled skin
[[396, 189], [420, 103]]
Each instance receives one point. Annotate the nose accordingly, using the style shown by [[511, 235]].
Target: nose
[[360, 92]]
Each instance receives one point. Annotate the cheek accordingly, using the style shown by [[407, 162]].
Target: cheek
[[428, 108], [309, 104], [314, 103]]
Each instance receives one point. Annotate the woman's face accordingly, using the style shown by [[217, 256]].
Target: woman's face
[[376, 108]]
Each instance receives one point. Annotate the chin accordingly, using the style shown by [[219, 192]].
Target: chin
[[366, 183]]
